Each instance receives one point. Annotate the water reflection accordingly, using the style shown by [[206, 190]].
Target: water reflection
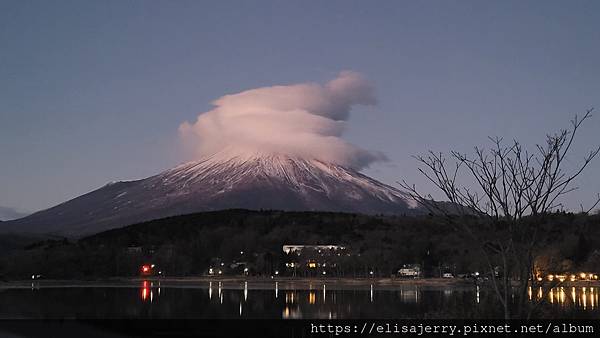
[[576, 297], [222, 299], [146, 291], [583, 298]]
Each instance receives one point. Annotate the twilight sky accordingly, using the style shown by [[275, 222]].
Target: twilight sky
[[96, 91]]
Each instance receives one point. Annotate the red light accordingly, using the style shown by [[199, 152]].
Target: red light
[[145, 268]]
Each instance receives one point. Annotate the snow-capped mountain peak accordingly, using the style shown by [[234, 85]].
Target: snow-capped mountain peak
[[224, 180]]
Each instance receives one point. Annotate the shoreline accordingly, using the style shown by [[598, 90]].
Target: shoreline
[[236, 282], [241, 281]]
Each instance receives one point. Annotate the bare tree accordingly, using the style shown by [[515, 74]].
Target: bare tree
[[509, 192]]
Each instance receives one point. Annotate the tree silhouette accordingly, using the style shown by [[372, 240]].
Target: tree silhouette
[[507, 198]]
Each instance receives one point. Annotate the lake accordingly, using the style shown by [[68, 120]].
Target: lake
[[275, 300]]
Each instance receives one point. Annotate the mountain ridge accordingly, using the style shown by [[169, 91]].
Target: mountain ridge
[[224, 180]]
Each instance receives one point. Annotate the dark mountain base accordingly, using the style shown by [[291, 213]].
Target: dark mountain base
[[189, 245]]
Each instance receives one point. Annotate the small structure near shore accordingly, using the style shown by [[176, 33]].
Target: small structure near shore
[[410, 271]]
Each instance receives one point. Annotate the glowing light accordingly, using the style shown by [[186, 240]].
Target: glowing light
[[289, 297], [312, 298]]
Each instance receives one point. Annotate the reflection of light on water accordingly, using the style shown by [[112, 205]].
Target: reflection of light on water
[[220, 293], [286, 312], [312, 297], [240, 308], [580, 297], [291, 313], [245, 291], [276, 289], [289, 297], [371, 293], [323, 293], [529, 292], [146, 291], [477, 295], [409, 296], [209, 290]]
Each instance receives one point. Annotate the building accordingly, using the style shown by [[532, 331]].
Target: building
[[298, 248], [313, 260], [410, 271]]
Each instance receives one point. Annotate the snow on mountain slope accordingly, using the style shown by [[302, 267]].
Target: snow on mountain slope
[[221, 181]]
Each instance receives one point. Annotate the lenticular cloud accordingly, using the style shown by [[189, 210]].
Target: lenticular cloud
[[302, 120]]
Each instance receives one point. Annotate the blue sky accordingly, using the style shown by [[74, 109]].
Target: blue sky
[[94, 91]]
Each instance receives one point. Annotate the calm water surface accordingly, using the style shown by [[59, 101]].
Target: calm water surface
[[276, 300]]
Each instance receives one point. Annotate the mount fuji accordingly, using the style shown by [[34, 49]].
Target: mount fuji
[[224, 180]]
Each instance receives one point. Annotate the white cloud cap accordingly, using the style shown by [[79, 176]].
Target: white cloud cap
[[301, 120]]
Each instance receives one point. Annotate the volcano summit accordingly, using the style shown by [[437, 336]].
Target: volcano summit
[[221, 181]]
